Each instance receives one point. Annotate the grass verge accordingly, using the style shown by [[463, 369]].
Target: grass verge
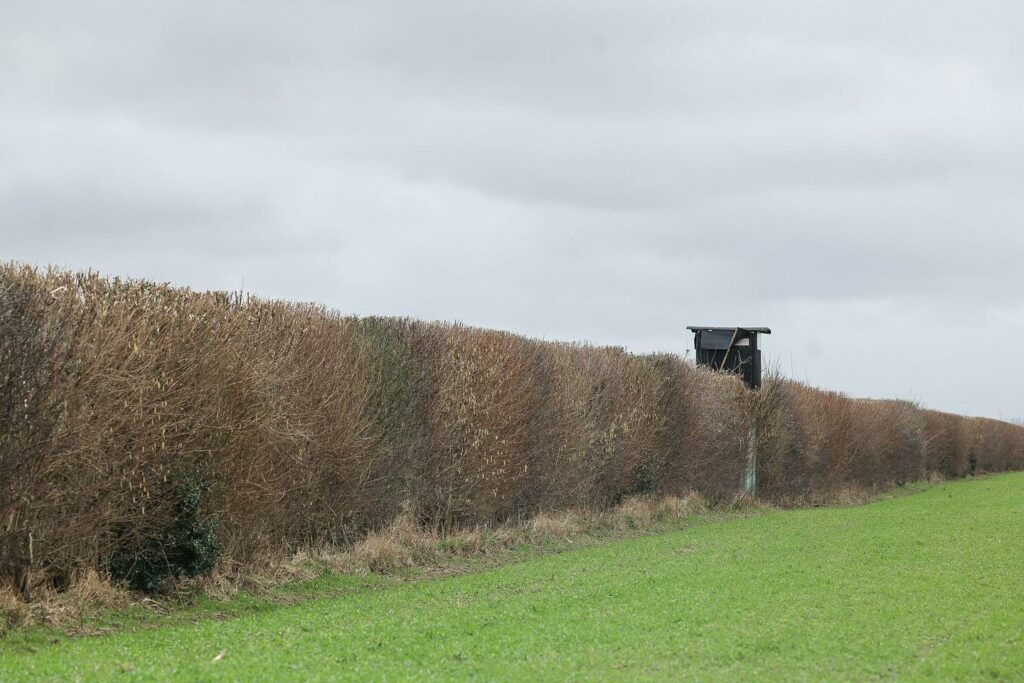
[[917, 587]]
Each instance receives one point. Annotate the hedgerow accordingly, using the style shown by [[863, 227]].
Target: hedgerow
[[309, 427]]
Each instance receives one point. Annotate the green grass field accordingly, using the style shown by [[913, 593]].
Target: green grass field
[[927, 586]]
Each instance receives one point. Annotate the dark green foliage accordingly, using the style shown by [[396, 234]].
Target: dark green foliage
[[394, 408], [187, 548]]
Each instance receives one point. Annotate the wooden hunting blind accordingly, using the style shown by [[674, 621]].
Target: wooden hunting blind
[[730, 349]]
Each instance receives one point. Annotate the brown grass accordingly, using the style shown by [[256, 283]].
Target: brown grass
[[14, 611], [404, 543], [558, 525]]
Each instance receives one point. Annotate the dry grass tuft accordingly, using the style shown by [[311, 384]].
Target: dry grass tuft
[[402, 544], [222, 586], [91, 588], [842, 496], [643, 512], [559, 525], [86, 593], [14, 611]]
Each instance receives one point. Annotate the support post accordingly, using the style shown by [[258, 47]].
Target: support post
[[750, 478]]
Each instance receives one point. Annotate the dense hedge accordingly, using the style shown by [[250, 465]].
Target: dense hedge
[[304, 426]]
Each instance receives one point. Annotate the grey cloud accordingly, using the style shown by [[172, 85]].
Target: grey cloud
[[847, 173]]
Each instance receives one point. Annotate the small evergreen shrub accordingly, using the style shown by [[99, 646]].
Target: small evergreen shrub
[[187, 548]]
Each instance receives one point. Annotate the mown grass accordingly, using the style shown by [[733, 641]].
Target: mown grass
[[929, 586]]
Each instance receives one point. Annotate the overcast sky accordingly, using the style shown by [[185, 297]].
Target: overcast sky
[[847, 173]]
